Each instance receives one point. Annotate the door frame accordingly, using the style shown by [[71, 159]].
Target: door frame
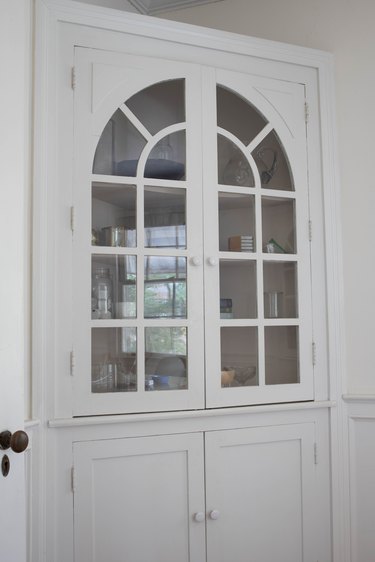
[[51, 17]]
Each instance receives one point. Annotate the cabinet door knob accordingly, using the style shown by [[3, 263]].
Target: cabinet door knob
[[17, 441], [214, 514], [199, 517], [196, 260], [212, 261]]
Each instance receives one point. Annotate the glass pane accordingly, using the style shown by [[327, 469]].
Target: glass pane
[[239, 356], [165, 217], [278, 225], [114, 287], [166, 358], [167, 159], [113, 215], [114, 359], [238, 116], [160, 105], [282, 355], [233, 166], [280, 290], [236, 222], [165, 287], [238, 289], [119, 147], [273, 164]]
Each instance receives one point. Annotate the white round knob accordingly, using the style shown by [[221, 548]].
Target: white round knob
[[199, 517], [214, 514], [212, 261], [196, 260]]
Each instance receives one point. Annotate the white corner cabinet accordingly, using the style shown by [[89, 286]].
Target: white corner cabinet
[[181, 311]]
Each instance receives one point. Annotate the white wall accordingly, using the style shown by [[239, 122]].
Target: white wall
[[345, 28]]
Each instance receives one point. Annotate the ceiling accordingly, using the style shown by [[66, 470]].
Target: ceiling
[[152, 7]]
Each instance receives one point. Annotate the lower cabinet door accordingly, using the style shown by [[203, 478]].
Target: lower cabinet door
[[140, 500], [260, 494]]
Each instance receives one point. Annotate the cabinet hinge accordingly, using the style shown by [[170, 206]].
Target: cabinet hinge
[[307, 112], [73, 78], [72, 363], [313, 349], [315, 453], [310, 230], [73, 479], [72, 218]]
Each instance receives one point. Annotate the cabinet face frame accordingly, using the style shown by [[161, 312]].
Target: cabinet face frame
[[52, 297]]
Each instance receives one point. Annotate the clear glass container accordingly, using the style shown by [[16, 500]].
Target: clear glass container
[[102, 294]]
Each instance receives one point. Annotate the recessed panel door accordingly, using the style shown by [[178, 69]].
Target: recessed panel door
[[257, 248], [137, 282], [260, 494], [140, 499]]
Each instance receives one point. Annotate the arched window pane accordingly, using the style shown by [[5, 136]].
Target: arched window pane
[[233, 166]]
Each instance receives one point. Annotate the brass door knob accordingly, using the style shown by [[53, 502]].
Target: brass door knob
[[17, 441]]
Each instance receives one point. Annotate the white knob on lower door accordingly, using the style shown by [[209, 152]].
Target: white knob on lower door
[[214, 514], [212, 261], [199, 517]]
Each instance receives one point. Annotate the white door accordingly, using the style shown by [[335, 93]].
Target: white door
[[140, 499], [257, 268], [13, 32], [260, 494], [137, 235]]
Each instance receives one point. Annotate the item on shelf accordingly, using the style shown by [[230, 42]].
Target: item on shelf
[[241, 243], [226, 308], [126, 308], [102, 294], [118, 236], [273, 247], [273, 301], [269, 163], [157, 168], [237, 172], [94, 237], [227, 376]]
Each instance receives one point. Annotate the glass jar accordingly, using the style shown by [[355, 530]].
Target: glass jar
[[102, 294]]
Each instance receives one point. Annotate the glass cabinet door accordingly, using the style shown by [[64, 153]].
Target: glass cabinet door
[[141, 295], [258, 251]]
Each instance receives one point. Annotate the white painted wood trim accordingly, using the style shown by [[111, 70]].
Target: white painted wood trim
[[359, 398], [197, 414]]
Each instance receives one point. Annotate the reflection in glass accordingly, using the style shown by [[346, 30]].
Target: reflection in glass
[[272, 163], [166, 358], [159, 105], [278, 225], [239, 356], [165, 217], [165, 287], [233, 166], [238, 116], [113, 215], [236, 222], [281, 354], [113, 287], [238, 289], [119, 147], [280, 289], [114, 360], [167, 159]]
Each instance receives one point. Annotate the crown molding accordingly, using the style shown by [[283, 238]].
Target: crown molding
[[153, 7]]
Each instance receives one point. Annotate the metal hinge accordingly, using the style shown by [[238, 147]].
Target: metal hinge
[[307, 112], [73, 479], [315, 453], [73, 78], [72, 363], [310, 231], [313, 349], [72, 218]]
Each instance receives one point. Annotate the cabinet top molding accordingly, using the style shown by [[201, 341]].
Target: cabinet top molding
[[68, 11]]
